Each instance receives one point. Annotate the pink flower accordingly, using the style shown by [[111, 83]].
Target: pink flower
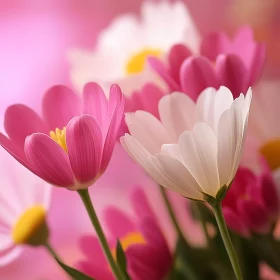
[[236, 64], [147, 253], [252, 204], [80, 147]]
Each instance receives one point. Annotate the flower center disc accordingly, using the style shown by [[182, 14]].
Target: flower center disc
[[271, 152], [59, 136], [136, 63]]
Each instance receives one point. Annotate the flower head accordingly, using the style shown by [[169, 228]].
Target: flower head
[[64, 148], [147, 253], [24, 205], [194, 149]]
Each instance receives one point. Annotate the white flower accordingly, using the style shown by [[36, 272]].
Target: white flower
[[195, 149], [122, 48]]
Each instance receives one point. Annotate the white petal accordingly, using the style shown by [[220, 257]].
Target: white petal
[[199, 152], [177, 113], [10, 256], [183, 182], [148, 130], [171, 150]]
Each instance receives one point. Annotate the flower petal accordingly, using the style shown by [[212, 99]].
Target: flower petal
[[21, 121], [85, 146], [60, 105], [48, 160], [199, 153]]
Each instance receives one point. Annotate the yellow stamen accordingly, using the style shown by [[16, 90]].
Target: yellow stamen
[[59, 136], [130, 239], [271, 152], [137, 62], [31, 227]]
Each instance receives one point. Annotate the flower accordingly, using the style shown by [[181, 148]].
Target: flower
[[123, 47], [25, 201], [236, 64], [195, 148], [252, 203], [78, 151], [147, 253]]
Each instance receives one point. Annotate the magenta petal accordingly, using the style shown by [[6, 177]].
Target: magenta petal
[[48, 160], [94, 270], [176, 57], [95, 102], [118, 223], [21, 121], [235, 222], [196, 74], [60, 105], [232, 73], [243, 36], [254, 216], [214, 44], [163, 72], [85, 144]]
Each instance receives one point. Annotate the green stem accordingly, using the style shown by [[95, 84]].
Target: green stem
[[217, 208], [171, 212], [84, 194]]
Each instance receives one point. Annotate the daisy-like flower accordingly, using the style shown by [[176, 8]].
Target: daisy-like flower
[[194, 149], [123, 47], [146, 250], [64, 148], [24, 202]]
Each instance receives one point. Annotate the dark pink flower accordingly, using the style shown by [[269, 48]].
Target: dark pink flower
[[71, 144], [236, 64], [147, 253], [252, 203]]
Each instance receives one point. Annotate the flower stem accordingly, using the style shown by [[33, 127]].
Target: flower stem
[[217, 208], [171, 212], [84, 194]]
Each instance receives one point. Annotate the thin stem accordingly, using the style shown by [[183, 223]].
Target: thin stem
[[171, 212], [96, 224], [217, 208]]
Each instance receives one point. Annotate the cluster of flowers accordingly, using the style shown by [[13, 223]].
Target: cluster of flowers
[[185, 125]]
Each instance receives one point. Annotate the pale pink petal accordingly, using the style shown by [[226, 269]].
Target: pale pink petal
[[177, 113], [10, 256], [197, 73], [232, 73], [118, 223], [199, 153], [60, 104], [21, 121], [163, 72], [48, 160], [95, 102], [85, 146], [148, 130]]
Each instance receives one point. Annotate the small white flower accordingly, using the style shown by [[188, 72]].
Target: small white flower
[[123, 47], [195, 149]]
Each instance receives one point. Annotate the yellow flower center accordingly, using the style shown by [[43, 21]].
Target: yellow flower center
[[31, 227], [271, 152], [130, 239], [59, 136], [136, 63]]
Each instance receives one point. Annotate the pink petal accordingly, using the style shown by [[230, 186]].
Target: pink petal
[[163, 72], [232, 73], [243, 36], [95, 102], [48, 160], [60, 105], [176, 57], [21, 121], [94, 270], [196, 74], [118, 223], [85, 144], [214, 44]]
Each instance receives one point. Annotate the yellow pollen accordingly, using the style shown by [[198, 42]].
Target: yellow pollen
[[31, 227], [130, 239], [271, 152], [59, 136], [136, 63]]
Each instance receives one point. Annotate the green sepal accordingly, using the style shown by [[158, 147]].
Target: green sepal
[[121, 259]]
